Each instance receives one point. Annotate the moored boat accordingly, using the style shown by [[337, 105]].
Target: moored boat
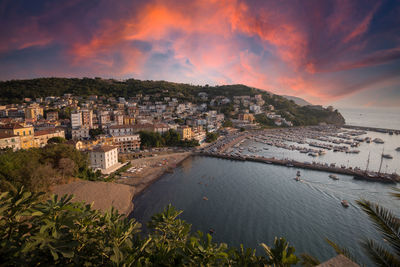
[[334, 177], [345, 203], [387, 156], [378, 141]]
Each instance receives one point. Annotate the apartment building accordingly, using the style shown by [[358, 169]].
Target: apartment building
[[127, 143], [24, 132], [10, 141], [103, 157], [41, 137]]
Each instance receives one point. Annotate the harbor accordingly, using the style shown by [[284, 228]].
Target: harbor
[[312, 148], [383, 177]]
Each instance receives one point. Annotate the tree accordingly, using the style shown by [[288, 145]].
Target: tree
[[388, 225], [59, 232], [281, 255], [56, 140], [211, 137], [95, 132], [227, 123]]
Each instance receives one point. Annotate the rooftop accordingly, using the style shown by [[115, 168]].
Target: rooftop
[[103, 148]]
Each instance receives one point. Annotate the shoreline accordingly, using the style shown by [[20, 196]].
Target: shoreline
[[152, 174], [120, 194]]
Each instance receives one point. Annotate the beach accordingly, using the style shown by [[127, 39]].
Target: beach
[[120, 193]]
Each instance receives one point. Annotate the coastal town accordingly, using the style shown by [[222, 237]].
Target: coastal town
[[110, 129], [95, 121]]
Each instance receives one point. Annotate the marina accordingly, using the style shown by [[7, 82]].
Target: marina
[[314, 142]]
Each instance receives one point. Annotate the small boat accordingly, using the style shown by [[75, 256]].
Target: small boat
[[297, 178], [334, 177], [387, 156], [289, 165], [345, 203], [398, 149], [205, 198], [378, 141]]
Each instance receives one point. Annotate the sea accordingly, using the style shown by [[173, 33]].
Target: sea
[[251, 203]]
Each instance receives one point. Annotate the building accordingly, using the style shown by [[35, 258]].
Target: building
[[24, 132], [127, 143], [87, 118], [104, 158], [52, 116], [247, 117], [185, 132], [76, 120], [119, 130], [34, 112], [41, 137], [80, 133], [10, 141]]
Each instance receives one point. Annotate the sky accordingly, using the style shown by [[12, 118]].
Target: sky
[[341, 52]]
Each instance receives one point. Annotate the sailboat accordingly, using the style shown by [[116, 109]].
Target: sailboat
[[372, 176]]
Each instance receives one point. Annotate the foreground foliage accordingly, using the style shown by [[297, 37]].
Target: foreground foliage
[[64, 233], [388, 225]]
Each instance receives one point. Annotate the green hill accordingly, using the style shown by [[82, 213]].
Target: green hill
[[15, 90]]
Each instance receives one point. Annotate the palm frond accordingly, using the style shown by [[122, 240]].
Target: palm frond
[[395, 194], [385, 222], [379, 255], [308, 261], [339, 250]]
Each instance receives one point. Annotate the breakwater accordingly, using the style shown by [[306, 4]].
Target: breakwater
[[303, 165], [373, 129]]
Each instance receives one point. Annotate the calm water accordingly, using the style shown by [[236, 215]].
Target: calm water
[[251, 203], [372, 117]]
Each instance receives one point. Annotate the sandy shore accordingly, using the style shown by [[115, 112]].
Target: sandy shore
[[120, 194], [103, 195], [147, 170]]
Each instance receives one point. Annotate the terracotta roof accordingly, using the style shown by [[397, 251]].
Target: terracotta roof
[[12, 126], [103, 148], [3, 135], [43, 132]]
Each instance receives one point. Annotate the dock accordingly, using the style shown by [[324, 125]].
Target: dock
[[296, 164], [372, 129]]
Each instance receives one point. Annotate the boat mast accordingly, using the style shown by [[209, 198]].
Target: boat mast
[[380, 166], [369, 154]]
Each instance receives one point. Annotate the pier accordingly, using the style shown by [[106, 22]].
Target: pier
[[297, 164], [372, 129]]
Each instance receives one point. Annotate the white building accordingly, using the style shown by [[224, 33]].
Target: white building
[[104, 157], [76, 119]]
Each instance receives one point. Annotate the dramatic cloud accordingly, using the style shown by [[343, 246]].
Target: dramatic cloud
[[321, 50]]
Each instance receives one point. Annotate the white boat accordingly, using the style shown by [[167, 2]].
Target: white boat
[[345, 203], [334, 177], [378, 141]]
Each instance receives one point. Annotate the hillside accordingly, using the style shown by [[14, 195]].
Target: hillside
[[15, 90], [299, 101]]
